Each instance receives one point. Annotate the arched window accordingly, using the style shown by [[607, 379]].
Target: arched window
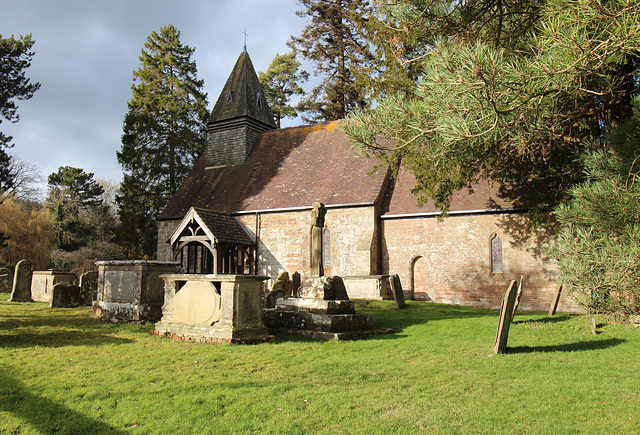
[[496, 254]]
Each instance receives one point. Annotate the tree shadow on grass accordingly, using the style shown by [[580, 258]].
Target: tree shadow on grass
[[45, 415], [385, 315], [568, 347], [553, 319], [43, 326], [59, 339]]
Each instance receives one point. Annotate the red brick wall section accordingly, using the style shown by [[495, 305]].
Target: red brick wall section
[[449, 260]]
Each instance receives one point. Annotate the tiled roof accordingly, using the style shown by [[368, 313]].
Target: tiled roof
[[485, 195], [224, 227], [242, 95], [289, 168]]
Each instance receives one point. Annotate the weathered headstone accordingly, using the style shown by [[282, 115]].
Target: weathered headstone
[[506, 311], [6, 280], [88, 287], [21, 291], [272, 297], [65, 296], [396, 290], [340, 291], [317, 287], [296, 283], [556, 299], [317, 219], [515, 306], [283, 283]]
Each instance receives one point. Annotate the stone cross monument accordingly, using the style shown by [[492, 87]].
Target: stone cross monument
[[317, 219]]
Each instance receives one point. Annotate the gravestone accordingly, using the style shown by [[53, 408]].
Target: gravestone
[[6, 280], [515, 306], [317, 220], [283, 283], [506, 311], [340, 291], [21, 291], [396, 290], [88, 287], [317, 287], [556, 299], [272, 297], [296, 283], [65, 296]]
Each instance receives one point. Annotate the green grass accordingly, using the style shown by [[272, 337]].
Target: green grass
[[63, 372]]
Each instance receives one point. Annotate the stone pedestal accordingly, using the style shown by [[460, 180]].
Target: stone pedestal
[[213, 308], [43, 281], [318, 316], [131, 290]]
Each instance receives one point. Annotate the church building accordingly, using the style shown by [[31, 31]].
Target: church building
[[246, 208]]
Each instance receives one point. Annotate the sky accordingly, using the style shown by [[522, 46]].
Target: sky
[[86, 52]]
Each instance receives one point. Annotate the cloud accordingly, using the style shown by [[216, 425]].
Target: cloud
[[86, 53]]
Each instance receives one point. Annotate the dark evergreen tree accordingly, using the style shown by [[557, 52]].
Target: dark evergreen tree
[[280, 83], [164, 132], [15, 58], [509, 90], [76, 208], [598, 245], [334, 41]]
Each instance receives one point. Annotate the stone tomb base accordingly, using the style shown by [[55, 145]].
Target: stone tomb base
[[319, 319], [131, 291], [43, 281], [371, 287], [213, 308]]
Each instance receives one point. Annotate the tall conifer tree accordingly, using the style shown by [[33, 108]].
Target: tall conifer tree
[[15, 58], [333, 40], [164, 132], [280, 83]]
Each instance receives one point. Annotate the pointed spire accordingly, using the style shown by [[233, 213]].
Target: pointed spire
[[239, 117], [246, 91]]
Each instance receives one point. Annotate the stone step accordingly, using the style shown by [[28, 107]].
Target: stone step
[[315, 305], [274, 318]]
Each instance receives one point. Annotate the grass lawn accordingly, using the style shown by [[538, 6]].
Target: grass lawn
[[63, 372]]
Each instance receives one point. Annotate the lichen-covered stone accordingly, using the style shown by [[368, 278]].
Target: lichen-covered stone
[[21, 291], [65, 296]]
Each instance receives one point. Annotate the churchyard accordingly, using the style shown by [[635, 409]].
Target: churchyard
[[62, 371]]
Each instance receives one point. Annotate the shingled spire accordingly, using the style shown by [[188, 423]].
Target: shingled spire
[[239, 117]]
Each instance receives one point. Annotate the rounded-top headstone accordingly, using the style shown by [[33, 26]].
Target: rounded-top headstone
[[21, 291]]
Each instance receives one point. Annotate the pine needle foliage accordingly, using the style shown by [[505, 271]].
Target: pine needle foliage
[[281, 82], [164, 132], [15, 58], [508, 91], [598, 246]]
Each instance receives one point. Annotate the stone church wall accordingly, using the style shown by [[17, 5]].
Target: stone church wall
[[165, 230], [285, 241], [450, 260]]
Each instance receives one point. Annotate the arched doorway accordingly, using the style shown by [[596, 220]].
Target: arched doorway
[[420, 279]]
